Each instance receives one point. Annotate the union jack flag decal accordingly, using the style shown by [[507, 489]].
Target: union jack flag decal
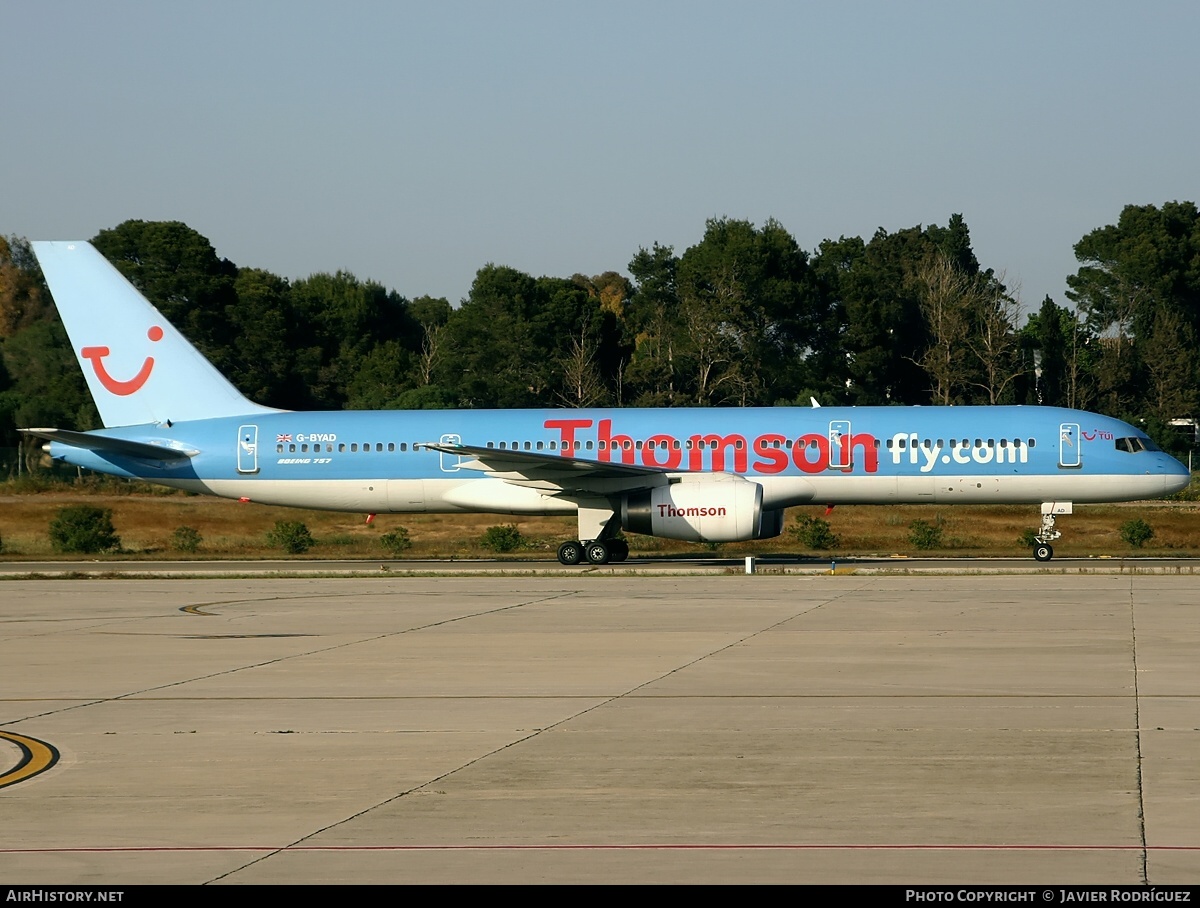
[[282, 439]]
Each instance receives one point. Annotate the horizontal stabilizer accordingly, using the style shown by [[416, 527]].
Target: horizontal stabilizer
[[106, 444]]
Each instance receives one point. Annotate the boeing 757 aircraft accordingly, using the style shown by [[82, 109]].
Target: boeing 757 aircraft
[[705, 475]]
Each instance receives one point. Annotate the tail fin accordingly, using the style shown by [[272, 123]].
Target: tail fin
[[139, 368]]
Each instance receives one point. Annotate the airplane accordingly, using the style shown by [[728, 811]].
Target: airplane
[[698, 474]]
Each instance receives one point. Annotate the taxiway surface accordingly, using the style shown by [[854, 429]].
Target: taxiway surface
[[1008, 729]]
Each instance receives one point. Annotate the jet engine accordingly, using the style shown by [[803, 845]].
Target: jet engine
[[712, 507]]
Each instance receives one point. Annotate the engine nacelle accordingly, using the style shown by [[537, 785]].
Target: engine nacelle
[[771, 524], [715, 507]]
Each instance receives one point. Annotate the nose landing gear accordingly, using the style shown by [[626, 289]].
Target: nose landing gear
[[1043, 550]]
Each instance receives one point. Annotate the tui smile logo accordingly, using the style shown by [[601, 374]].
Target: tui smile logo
[[115, 385]]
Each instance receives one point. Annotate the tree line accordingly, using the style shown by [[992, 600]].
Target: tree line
[[745, 317]]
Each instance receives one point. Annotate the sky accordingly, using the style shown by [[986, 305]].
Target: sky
[[412, 143]]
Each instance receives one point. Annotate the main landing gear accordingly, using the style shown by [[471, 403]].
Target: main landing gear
[[595, 551], [1042, 549], [598, 526]]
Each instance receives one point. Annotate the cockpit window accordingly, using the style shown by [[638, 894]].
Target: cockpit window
[[1133, 444]]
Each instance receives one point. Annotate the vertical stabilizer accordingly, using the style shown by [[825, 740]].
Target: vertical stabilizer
[[139, 368]]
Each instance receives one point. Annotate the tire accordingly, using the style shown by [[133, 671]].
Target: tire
[[618, 550], [596, 552], [1043, 552], [570, 552]]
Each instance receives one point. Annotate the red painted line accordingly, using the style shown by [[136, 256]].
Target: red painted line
[[104, 849]]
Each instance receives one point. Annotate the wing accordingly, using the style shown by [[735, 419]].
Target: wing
[[556, 474]]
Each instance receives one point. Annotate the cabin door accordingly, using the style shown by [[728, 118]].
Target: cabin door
[[1069, 454], [839, 445], [450, 462], [247, 449]]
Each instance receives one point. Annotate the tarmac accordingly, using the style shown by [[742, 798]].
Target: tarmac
[[1011, 729]]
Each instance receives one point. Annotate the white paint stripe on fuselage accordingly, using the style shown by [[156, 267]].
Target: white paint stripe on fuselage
[[382, 496]]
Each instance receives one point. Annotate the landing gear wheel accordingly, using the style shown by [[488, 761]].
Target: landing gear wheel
[[618, 550], [596, 552], [1043, 552], [570, 552]]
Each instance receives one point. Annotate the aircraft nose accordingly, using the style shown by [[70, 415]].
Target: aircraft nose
[[1177, 477]]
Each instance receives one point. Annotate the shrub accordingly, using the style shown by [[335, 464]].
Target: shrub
[[292, 536], [396, 542], [925, 536], [186, 539], [814, 533], [506, 538], [83, 529], [1028, 538], [1136, 532]]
